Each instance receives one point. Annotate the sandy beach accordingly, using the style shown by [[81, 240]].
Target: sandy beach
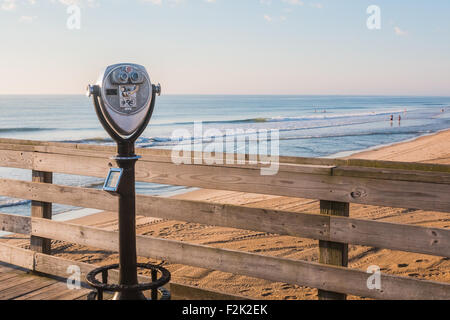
[[432, 149]]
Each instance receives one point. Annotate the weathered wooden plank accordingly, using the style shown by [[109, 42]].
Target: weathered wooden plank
[[40, 209], [427, 196], [5, 279], [364, 232], [257, 219], [330, 252], [301, 181], [160, 155], [16, 256], [45, 292], [15, 224], [393, 236], [59, 267], [392, 174], [96, 165], [15, 188], [164, 154], [89, 198], [11, 285], [184, 292], [324, 277], [418, 195], [16, 159], [36, 283], [78, 149], [8, 275], [47, 161], [444, 168], [72, 164], [389, 282], [8, 268]]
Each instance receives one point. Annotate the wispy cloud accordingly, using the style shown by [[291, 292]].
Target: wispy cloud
[[155, 2], [87, 3], [27, 19], [8, 5], [172, 3], [316, 5], [268, 18], [400, 32], [294, 2]]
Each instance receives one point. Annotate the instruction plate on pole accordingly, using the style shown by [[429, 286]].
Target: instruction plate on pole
[[112, 181]]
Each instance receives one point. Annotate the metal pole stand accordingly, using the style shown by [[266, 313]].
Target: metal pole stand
[[128, 287], [130, 291]]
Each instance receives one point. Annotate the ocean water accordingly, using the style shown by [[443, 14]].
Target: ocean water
[[310, 126]]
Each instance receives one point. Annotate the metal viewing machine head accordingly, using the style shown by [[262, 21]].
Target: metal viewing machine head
[[124, 99]]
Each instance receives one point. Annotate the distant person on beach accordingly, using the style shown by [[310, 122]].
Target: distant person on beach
[[399, 118], [392, 117]]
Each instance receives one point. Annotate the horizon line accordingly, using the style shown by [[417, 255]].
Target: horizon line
[[240, 94]]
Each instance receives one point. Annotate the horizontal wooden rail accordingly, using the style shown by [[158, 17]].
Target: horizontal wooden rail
[[302, 273], [434, 241], [372, 186], [57, 267], [162, 155], [314, 275], [15, 223], [165, 155]]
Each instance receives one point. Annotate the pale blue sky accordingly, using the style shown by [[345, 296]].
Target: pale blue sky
[[230, 46]]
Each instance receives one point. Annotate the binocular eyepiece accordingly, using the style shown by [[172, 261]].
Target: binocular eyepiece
[[124, 77], [125, 96]]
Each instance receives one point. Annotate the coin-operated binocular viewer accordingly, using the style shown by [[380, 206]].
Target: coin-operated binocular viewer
[[124, 99]]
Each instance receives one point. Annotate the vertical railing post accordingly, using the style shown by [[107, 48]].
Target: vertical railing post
[[41, 210], [333, 253]]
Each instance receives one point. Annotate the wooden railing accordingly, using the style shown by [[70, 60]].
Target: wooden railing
[[336, 182]]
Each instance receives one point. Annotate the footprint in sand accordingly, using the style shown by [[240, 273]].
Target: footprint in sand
[[402, 265], [266, 294]]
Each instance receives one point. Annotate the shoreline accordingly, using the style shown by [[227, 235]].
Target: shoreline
[[352, 153], [431, 148]]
